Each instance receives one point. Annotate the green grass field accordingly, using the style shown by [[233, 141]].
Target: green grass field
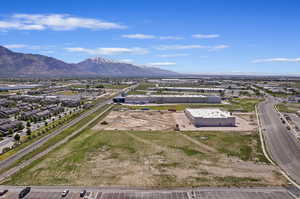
[[289, 107]]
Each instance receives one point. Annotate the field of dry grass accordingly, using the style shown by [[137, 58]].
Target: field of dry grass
[[154, 159]]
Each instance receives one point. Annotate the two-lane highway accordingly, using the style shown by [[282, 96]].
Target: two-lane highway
[[282, 145]]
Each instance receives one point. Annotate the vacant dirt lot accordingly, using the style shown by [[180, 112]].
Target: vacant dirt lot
[[138, 120], [154, 159], [145, 120]]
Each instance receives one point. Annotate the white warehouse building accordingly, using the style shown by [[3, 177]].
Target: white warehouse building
[[139, 99], [190, 89], [210, 117]]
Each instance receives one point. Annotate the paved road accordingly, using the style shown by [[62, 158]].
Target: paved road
[[281, 144], [121, 193], [6, 142], [10, 160]]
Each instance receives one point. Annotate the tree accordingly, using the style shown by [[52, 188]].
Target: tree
[[20, 126], [28, 124], [28, 132], [99, 86], [46, 123], [17, 137], [5, 149], [10, 131]]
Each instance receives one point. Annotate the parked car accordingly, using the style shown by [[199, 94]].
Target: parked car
[[82, 194], [2, 193], [24, 192], [65, 193]]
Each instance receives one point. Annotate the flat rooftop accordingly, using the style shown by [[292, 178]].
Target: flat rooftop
[[190, 88], [170, 96], [208, 113]]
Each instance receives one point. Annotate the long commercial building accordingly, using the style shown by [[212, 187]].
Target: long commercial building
[[210, 117], [190, 89], [144, 99]]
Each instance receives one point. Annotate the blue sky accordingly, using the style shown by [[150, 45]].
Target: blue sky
[[191, 36]]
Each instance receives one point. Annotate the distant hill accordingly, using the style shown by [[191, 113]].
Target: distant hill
[[106, 67], [13, 64]]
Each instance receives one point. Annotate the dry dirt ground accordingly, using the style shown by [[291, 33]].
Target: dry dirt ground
[[138, 120], [145, 120], [151, 159]]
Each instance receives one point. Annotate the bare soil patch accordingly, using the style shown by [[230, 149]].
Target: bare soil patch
[[138, 120]]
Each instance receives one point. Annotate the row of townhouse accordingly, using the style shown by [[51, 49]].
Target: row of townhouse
[[41, 114], [7, 126], [8, 112]]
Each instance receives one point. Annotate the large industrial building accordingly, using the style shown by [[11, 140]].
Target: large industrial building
[[210, 117], [145, 99], [190, 89]]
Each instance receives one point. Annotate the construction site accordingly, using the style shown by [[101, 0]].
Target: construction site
[[164, 120]]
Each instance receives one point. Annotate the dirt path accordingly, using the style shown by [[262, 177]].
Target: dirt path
[[161, 148], [201, 145]]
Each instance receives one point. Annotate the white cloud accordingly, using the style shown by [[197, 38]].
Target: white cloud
[[279, 59], [184, 47], [218, 47], [174, 55], [108, 51], [205, 36], [179, 47], [143, 36], [54, 22], [157, 64], [139, 36]]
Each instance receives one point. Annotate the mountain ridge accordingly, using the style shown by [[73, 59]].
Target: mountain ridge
[[15, 64]]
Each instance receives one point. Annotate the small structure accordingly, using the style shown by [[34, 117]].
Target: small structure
[[119, 100], [210, 117]]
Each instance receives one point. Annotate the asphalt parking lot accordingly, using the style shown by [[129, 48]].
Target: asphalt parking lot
[[229, 194], [52, 195]]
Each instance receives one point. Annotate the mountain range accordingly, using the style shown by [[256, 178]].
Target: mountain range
[[14, 64]]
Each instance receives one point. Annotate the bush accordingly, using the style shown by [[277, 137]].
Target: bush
[[5, 149], [28, 132], [17, 137]]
